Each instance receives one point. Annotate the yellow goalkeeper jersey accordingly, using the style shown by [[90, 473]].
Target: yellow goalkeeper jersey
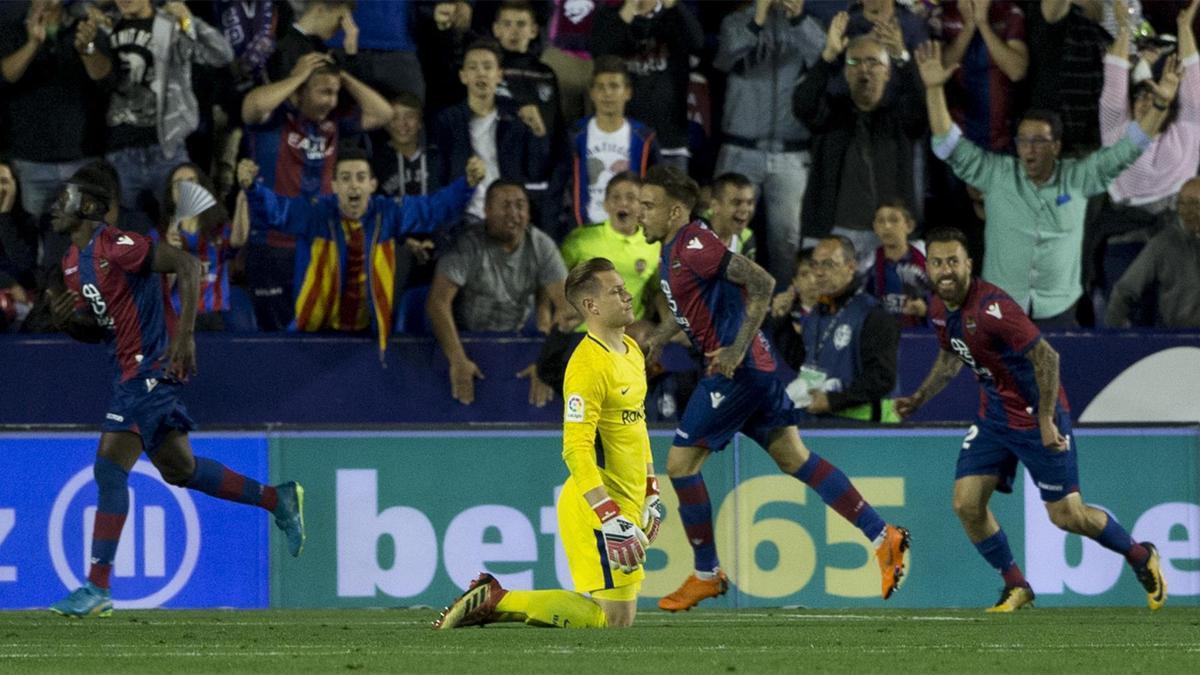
[[604, 422]]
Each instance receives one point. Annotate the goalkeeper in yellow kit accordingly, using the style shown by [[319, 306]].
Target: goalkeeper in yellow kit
[[609, 510]]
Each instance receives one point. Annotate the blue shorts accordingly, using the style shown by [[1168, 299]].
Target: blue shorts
[[753, 402], [148, 408], [991, 449]]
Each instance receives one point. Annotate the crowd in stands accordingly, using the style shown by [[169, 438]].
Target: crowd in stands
[[429, 168]]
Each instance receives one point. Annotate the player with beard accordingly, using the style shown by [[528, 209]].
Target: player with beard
[[1023, 416], [346, 261], [116, 292]]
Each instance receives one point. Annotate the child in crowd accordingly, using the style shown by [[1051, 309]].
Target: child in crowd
[[898, 276]]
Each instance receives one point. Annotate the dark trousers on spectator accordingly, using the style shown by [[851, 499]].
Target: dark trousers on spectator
[[144, 170]]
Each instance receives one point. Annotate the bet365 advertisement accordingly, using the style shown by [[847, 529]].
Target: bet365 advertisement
[[410, 519], [404, 519]]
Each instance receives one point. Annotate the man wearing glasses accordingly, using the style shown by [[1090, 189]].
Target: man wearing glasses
[[862, 140], [1035, 201]]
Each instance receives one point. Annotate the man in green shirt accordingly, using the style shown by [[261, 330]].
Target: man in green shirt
[[620, 240], [1035, 201]]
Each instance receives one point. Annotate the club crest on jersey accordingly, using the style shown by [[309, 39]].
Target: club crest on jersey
[[841, 336], [694, 244], [574, 408], [639, 265], [969, 323], [103, 264], [675, 264]]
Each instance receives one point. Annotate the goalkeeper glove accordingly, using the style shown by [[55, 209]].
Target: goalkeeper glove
[[654, 511], [625, 542]]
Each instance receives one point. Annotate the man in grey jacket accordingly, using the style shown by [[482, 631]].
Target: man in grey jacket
[[765, 48], [1169, 266], [146, 66]]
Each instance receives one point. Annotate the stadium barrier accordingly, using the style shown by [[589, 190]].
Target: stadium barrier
[[407, 518], [249, 381]]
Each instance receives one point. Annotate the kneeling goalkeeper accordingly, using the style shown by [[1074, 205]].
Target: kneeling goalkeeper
[[612, 488]]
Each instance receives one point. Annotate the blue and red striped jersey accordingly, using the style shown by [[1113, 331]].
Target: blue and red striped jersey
[[991, 335], [113, 278], [709, 308], [296, 155], [214, 254]]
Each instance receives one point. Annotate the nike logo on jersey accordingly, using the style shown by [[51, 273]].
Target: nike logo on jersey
[[717, 399], [695, 244], [624, 390], [994, 310], [124, 240]]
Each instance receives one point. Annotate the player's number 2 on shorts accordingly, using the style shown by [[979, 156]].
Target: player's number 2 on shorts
[[971, 434]]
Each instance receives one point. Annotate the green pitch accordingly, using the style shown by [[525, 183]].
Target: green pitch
[[854, 641]]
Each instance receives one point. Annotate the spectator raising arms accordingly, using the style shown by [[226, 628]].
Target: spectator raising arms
[[862, 142], [345, 269], [1033, 194]]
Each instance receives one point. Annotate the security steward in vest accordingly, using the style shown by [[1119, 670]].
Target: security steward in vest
[[846, 354]]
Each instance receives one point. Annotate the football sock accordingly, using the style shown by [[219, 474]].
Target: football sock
[[695, 510], [112, 506], [561, 609], [1114, 538], [214, 478], [995, 550], [840, 495]]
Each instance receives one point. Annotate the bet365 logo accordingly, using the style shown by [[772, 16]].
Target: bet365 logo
[[160, 543]]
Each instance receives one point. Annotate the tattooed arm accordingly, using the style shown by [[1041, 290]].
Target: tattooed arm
[[1045, 371], [759, 285], [945, 367]]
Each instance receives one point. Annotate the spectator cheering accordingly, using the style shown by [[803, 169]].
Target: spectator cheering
[[491, 130], [862, 143], [1035, 202], [345, 269], [765, 48]]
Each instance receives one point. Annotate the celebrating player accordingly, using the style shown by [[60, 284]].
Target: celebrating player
[[719, 299], [609, 510], [980, 325], [116, 292]]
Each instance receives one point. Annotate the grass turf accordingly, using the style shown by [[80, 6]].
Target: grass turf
[[1123, 640]]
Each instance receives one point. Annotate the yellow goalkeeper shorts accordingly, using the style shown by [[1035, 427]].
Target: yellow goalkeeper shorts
[[584, 545]]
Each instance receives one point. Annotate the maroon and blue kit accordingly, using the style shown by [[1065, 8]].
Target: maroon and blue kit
[[710, 309], [113, 279], [992, 336]]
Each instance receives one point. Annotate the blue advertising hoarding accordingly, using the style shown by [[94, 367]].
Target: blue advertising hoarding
[[179, 548]]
